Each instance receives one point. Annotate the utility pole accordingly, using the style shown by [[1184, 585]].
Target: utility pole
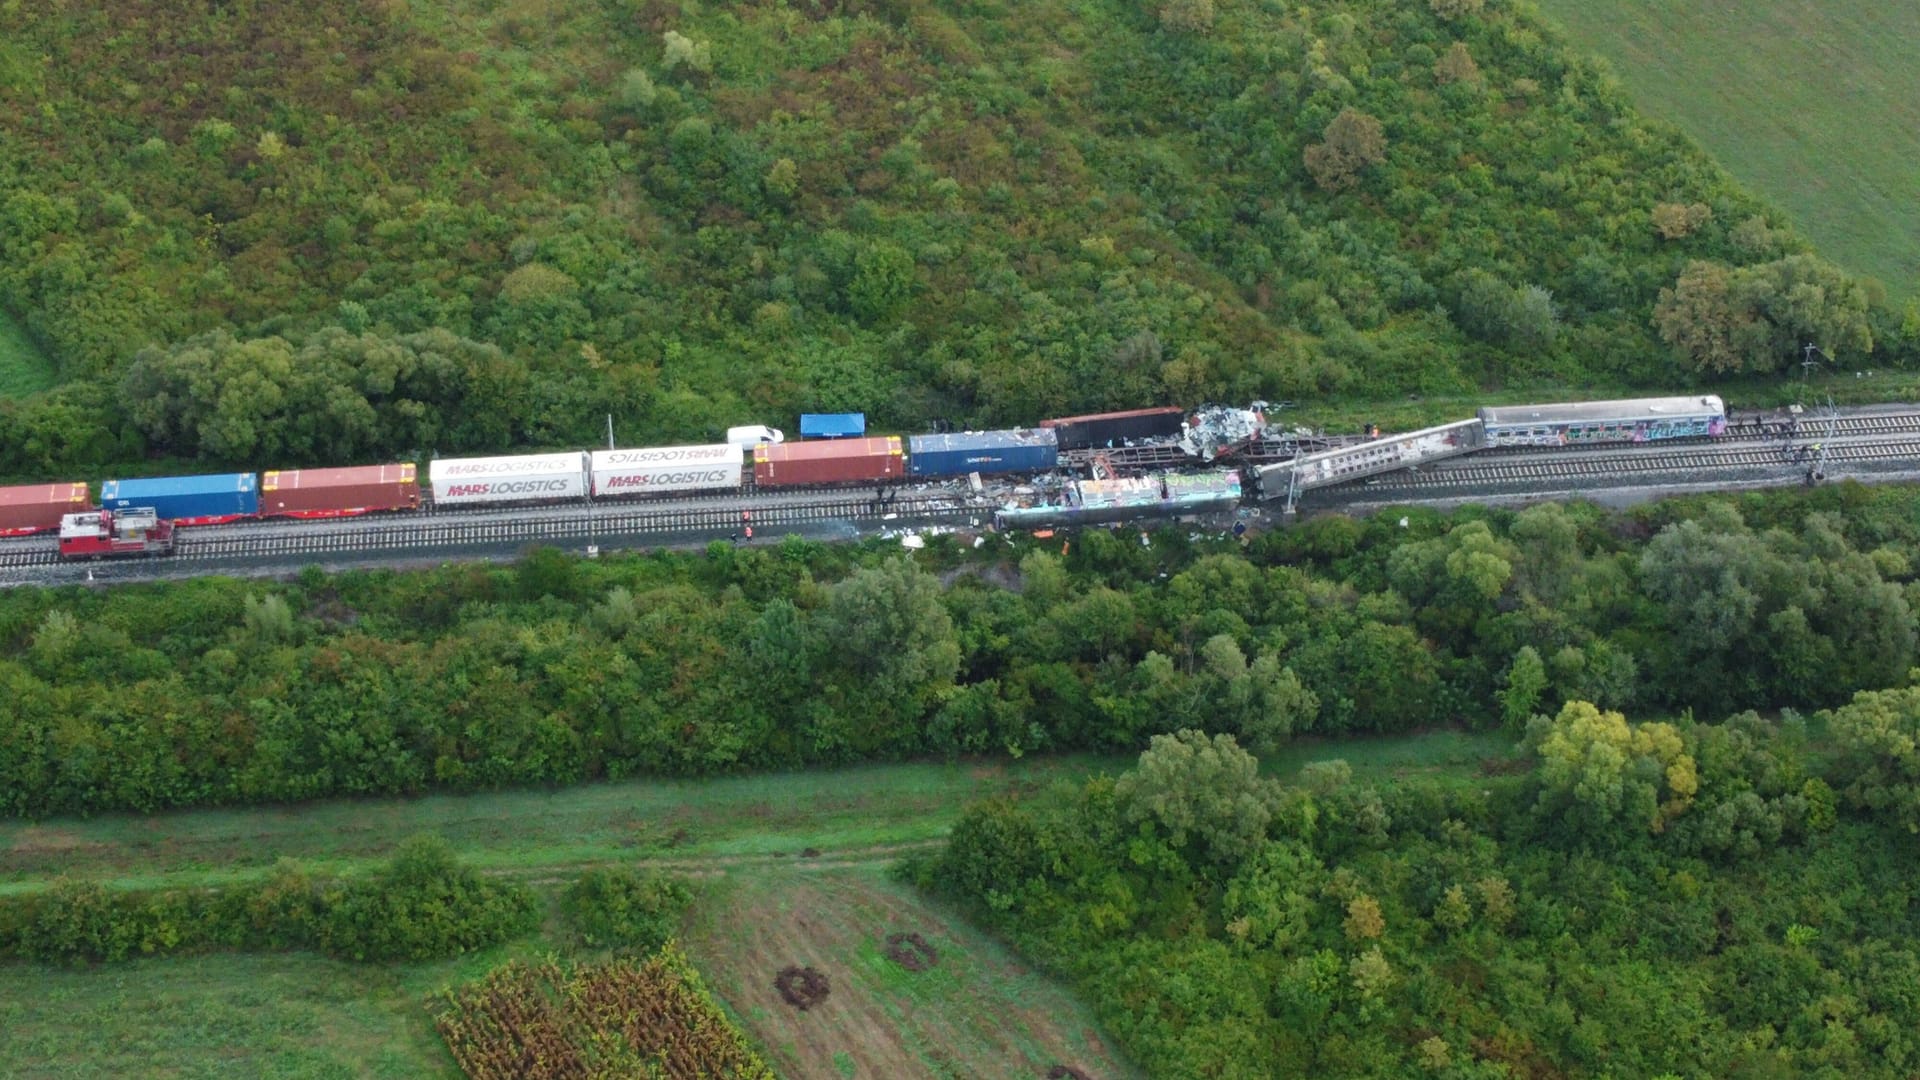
[[609, 431]]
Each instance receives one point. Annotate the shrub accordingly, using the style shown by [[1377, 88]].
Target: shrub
[[624, 910]]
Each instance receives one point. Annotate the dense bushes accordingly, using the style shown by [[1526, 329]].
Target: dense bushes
[[624, 910], [423, 905], [557, 671], [1688, 905], [696, 215]]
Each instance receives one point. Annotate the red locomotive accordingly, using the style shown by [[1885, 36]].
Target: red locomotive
[[99, 534]]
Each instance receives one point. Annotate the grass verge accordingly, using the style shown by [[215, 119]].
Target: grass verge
[[685, 824]]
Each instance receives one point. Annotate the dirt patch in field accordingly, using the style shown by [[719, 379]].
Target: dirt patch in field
[[911, 951], [971, 1010], [802, 988]]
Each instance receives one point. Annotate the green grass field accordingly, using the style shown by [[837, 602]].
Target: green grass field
[[1813, 103], [536, 834], [23, 367], [789, 866]]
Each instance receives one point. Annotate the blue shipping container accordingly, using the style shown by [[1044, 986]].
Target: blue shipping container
[[189, 498], [1035, 450], [839, 425]]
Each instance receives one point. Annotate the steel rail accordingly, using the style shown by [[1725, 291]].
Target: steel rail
[[1704, 460]]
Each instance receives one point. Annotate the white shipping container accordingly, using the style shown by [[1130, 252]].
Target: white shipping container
[[665, 468], [509, 479]]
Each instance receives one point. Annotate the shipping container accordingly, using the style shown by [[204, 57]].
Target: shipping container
[[31, 508], [1100, 430], [322, 493], [1025, 450], [523, 478], [837, 461], [187, 500], [845, 425], [666, 468]]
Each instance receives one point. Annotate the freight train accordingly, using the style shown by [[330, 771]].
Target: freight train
[[138, 516]]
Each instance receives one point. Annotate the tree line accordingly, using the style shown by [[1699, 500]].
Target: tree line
[[555, 671], [1655, 899]]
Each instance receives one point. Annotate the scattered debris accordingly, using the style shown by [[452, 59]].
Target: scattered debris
[[1217, 430], [802, 987], [911, 951]]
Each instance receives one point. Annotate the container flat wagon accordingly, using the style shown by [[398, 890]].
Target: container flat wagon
[[32, 508], [522, 478], [660, 469], [187, 500], [836, 461], [325, 493], [1026, 450], [1100, 430]]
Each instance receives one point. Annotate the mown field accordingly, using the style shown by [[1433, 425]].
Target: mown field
[[680, 825], [1815, 104], [23, 367], [745, 841]]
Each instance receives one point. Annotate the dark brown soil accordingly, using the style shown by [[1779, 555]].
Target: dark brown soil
[[911, 951], [803, 988], [1066, 1072]]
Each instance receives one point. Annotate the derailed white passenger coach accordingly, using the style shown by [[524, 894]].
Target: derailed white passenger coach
[[523, 478], [659, 469]]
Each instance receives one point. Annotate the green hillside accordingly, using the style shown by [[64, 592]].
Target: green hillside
[[23, 367], [1816, 105], [693, 215]]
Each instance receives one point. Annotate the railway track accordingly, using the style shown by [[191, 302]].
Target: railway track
[[1688, 460], [244, 541]]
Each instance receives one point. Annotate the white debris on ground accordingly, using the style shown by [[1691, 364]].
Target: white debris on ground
[[1214, 430]]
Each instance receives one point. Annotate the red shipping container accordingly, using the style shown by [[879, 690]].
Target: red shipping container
[[30, 508], [829, 461], [321, 493]]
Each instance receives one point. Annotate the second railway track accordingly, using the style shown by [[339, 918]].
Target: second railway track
[[1518, 470]]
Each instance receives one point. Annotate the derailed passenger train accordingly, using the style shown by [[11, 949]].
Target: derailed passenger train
[[1574, 424], [531, 479]]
